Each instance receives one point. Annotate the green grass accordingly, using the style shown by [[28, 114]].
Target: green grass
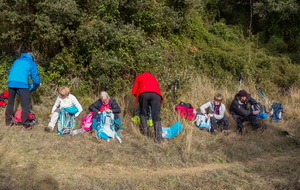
[[193, 159]]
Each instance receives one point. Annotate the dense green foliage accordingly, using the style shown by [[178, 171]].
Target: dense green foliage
[[103, 45]]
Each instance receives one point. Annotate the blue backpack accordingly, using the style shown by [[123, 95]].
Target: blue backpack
[[67, 121], [106, 127], [202, 122], [276, 112]]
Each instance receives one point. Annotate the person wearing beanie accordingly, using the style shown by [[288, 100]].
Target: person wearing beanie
[[22, 71], [240, 112]]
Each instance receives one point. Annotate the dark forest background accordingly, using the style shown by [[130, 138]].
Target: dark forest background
[[103, 44]]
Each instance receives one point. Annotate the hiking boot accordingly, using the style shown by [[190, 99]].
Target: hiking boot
[[158, 132], [225, 131], [159, 140], [9, 124], [49, 129], [214, 130], [93, 133], [26, 128], [9, 117], [144, 126], [243, 130]]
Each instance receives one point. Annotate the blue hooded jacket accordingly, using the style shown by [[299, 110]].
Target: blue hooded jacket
[[22, 70]]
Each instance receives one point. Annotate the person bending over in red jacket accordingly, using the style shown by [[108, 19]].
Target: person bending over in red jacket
[[146, 90]]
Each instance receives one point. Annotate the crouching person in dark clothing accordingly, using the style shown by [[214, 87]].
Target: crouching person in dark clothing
[[240, 113]]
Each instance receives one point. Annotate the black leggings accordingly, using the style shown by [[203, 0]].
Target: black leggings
[[153, 100]]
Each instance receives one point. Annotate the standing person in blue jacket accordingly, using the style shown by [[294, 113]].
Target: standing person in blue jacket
[[19, 74]]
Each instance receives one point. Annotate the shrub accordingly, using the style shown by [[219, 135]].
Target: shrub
[[6, 62], [226, 32], [277, 44]]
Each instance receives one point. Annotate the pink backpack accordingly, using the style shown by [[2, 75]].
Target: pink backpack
[[186, 110], [86, 122]]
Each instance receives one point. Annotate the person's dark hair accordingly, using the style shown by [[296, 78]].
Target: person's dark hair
[[243, 93]]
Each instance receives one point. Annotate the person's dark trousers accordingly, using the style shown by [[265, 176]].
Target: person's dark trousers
[[215, 122], [144, 126], [153, 100], [253, 121], [9, 112], [250, 118], [25, 100]]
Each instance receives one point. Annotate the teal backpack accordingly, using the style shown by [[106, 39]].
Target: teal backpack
[[202, 122], [105, 127], [67, 121]]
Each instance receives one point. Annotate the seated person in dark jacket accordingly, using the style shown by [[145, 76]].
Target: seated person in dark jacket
[[239, 111], [107, 104]]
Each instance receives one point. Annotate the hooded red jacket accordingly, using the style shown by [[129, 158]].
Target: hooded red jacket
[[145, 82]]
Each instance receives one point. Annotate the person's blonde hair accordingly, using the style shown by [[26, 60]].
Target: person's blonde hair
[[104, 95], [64, 91], [218, 97]]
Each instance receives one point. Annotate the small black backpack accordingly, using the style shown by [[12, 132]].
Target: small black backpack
[[259, 107]]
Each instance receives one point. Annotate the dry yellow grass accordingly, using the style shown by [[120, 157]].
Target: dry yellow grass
[[193, 159]]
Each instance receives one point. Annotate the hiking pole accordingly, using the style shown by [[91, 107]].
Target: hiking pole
[[173, 89], [240, 80], [261, 93], [176, 86], [290, 136]]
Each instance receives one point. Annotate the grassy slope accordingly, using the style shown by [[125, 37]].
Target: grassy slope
[[193, 159]]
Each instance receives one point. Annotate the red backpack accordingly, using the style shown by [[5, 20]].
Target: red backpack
[[186, 110], [17, 118], [3, 98]]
